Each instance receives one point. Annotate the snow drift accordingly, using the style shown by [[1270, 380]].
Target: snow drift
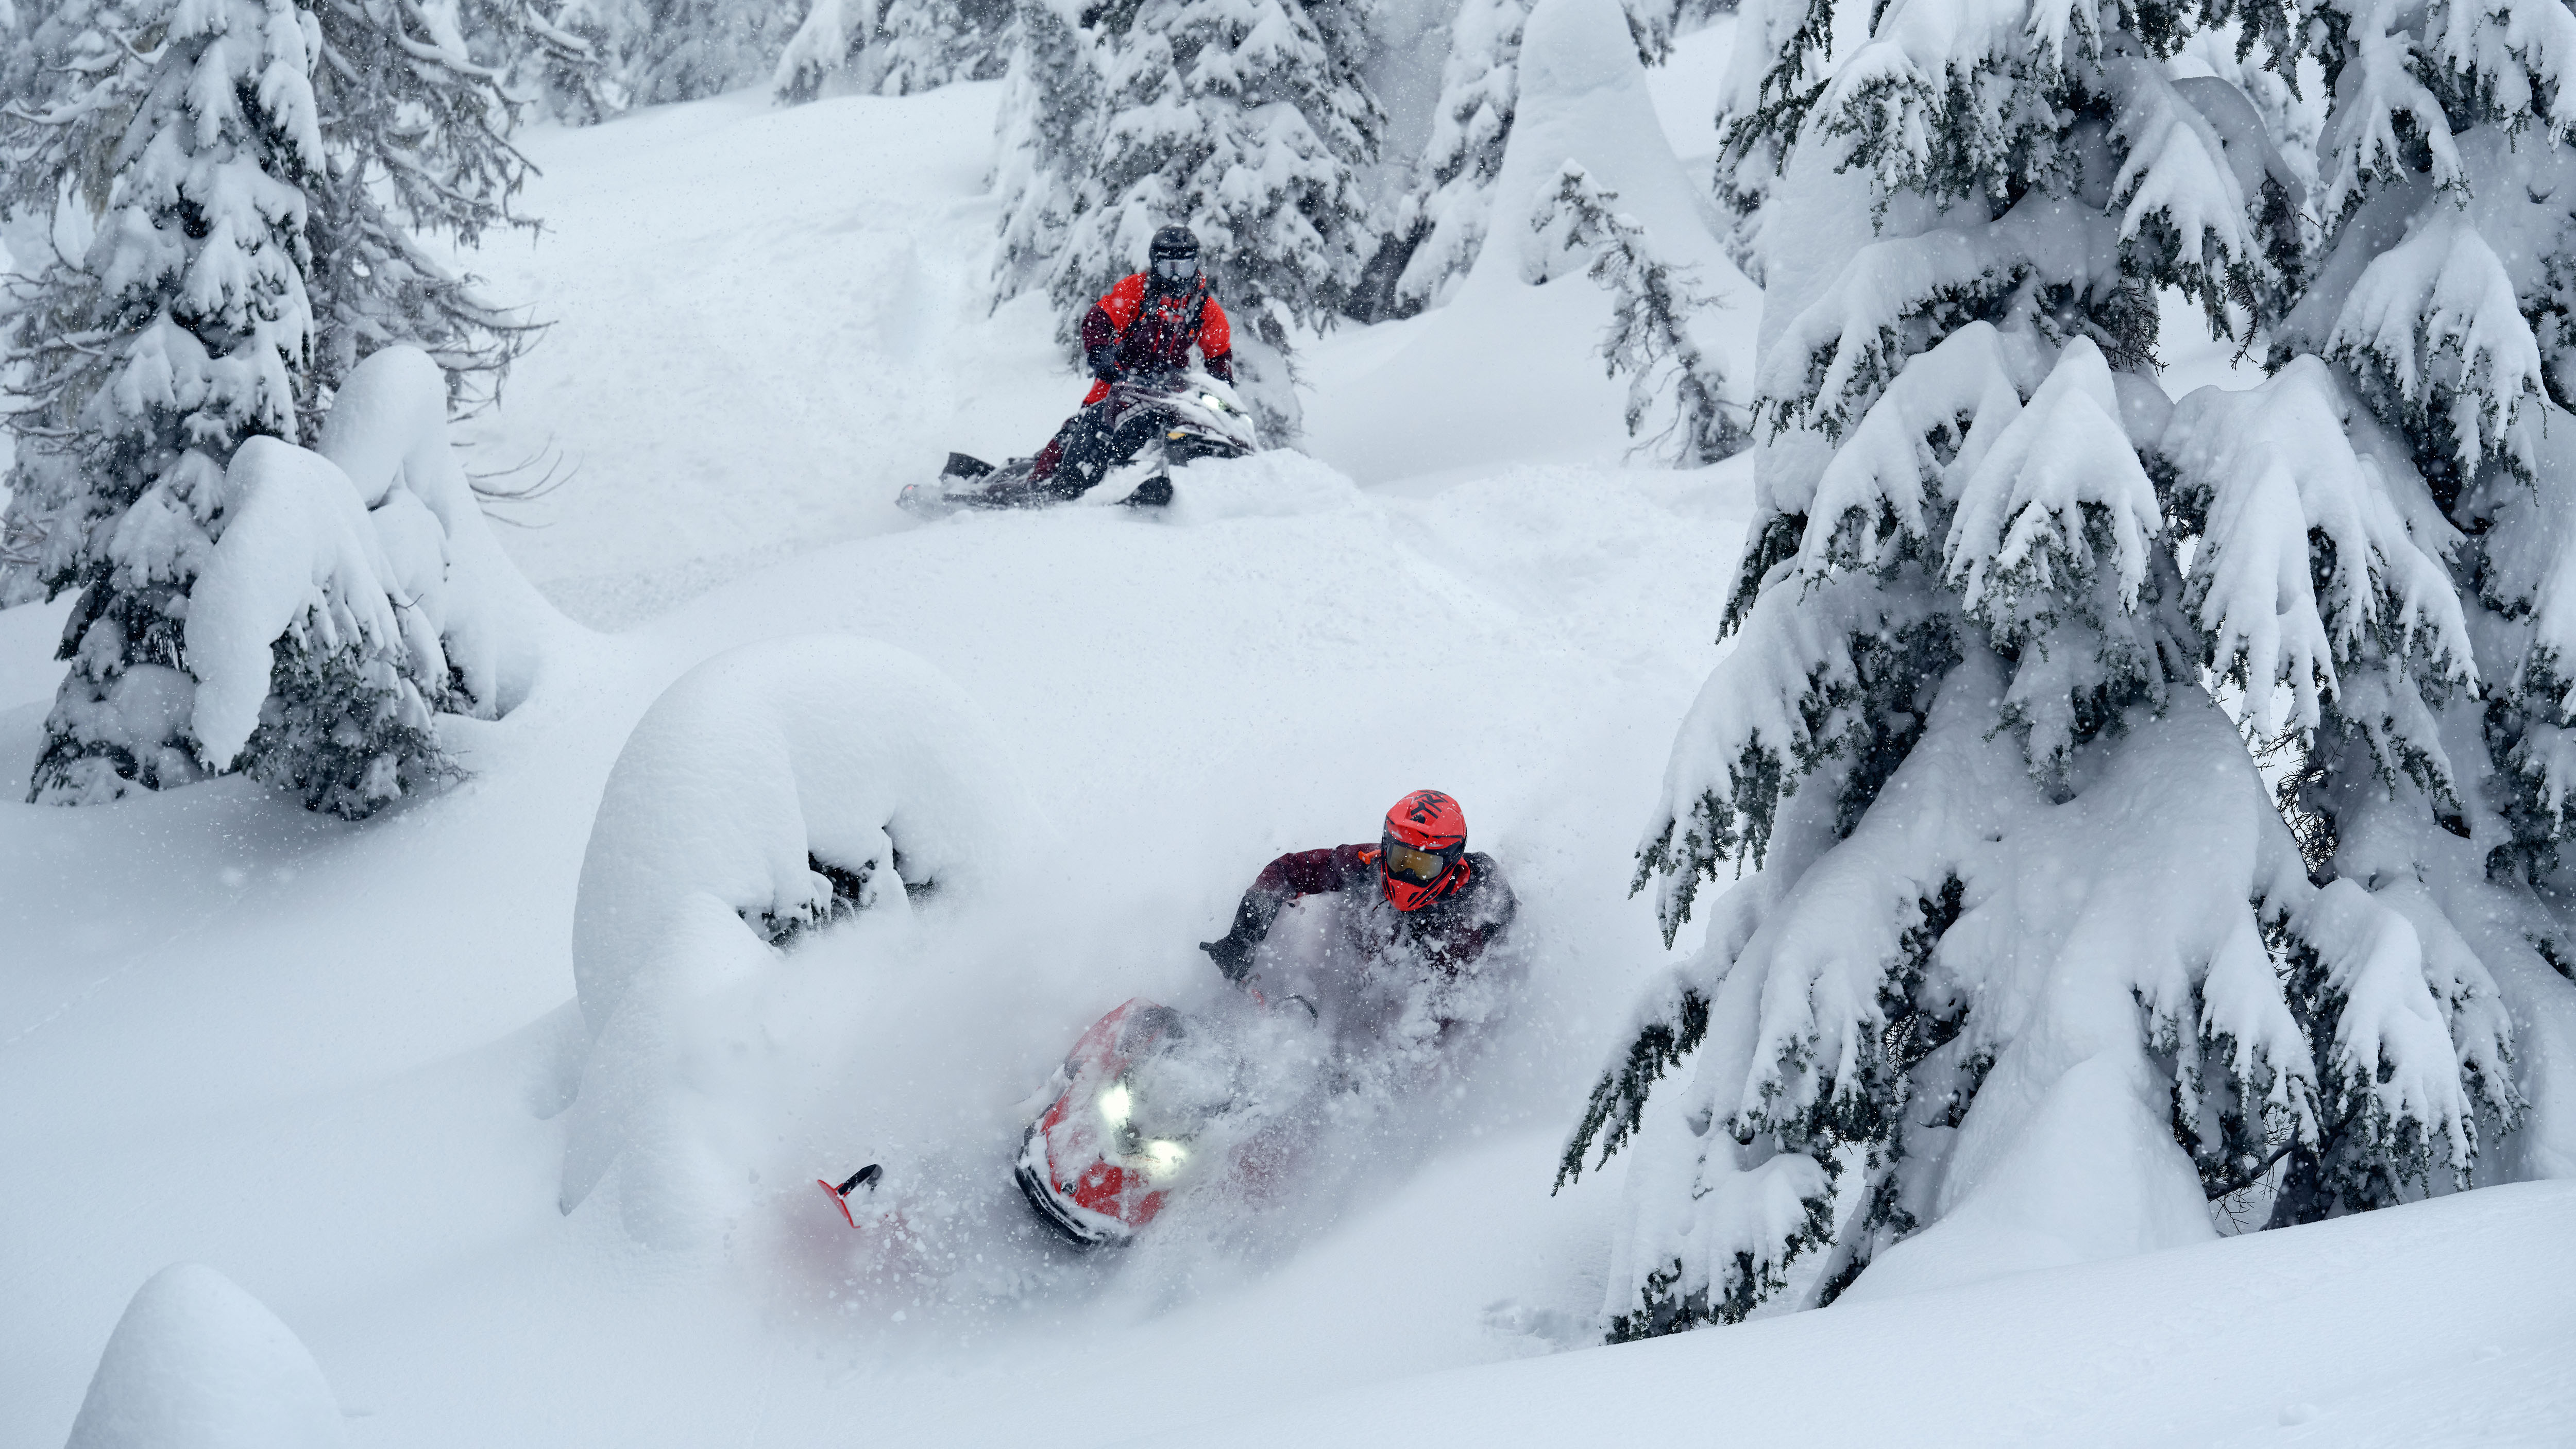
[[773, 789], [196, 1363]]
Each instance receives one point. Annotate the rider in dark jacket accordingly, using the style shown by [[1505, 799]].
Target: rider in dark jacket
[[1439, 901]]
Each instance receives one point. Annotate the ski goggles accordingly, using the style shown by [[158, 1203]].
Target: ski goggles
[[1176, 269], [1422, 867]]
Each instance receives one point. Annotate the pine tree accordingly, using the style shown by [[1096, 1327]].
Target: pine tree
[[1649, 334], [2022, 906]]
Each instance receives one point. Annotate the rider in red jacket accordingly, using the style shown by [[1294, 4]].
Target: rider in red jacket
[[1147, 323]]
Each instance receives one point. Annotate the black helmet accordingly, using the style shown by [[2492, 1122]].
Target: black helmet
[[1174, 257]]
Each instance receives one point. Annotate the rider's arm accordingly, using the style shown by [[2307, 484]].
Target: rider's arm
[[1108, 318], [1298, 873], [1216, 342], [1100, 342]]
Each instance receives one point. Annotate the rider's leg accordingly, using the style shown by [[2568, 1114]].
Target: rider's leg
[[1085, 453]]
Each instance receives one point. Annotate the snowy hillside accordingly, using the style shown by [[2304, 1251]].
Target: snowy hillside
[[331, 1061]]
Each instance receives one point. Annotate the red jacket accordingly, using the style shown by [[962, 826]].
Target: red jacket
[[1121, 328]]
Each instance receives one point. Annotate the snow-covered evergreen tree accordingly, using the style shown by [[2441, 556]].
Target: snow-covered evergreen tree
[[1649, 337], [827, 42], [2030, 965], [652, 52], [568, 73], [912, 46]]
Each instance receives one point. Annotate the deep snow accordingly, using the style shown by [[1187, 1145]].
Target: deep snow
[[314, 1056]]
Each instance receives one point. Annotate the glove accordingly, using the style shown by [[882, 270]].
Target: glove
[[1232, 957], [1104, 364]]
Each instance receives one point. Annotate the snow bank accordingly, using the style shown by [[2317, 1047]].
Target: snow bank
[[374, 542], [752, 771], [1275, 484], [2359, 1331], [196, 1363]]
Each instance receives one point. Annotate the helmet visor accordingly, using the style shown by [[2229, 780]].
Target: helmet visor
[[1176, 269], [1422, 867]]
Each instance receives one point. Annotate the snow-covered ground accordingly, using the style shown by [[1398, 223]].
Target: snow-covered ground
[[315, 1057]]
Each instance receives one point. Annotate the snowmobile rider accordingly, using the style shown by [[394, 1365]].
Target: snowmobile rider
[[1147, 323], [1445, 903]]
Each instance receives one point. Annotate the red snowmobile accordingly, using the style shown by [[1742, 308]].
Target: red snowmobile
[[1128, 1125]]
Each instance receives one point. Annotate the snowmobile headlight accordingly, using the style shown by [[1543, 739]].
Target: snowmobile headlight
[[1163, 1159], [1214, 403], [1116, 1104]]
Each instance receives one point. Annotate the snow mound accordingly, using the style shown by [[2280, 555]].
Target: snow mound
[[1276, 484], [1584, 98], [196, 1363], [775, 788]]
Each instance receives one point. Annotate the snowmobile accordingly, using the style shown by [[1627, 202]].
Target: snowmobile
[[1129, 1123], [1166, 420], [1148, 1103]]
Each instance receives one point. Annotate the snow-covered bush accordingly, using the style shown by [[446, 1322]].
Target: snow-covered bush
[[771, 789], [1650, 324], [2029, 964], [351, 594], [196, 1363]]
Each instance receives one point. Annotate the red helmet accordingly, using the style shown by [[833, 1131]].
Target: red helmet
[[1419, 857]]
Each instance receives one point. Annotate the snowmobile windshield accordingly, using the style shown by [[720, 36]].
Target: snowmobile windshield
[[1422, 867]]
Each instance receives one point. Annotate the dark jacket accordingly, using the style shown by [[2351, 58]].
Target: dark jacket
[[1450, 933]]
